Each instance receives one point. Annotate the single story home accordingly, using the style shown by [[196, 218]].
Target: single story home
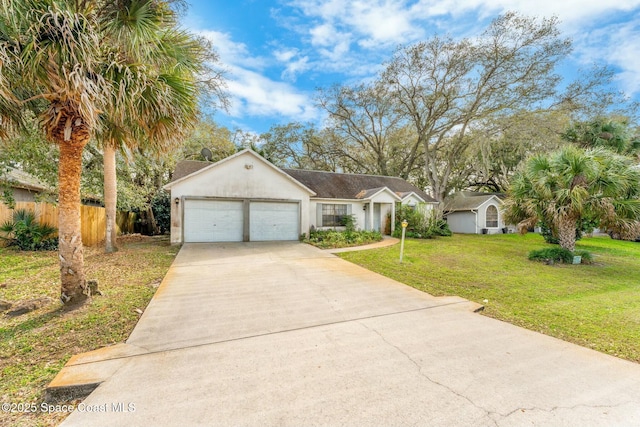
[[474, 213], [246, 198], [22, 186]]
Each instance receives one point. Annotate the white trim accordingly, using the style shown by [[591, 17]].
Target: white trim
[[413, 193], [383, 189], [328, 200]]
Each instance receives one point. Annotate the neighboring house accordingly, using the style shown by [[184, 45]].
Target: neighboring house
[[474, 213], [246, 198], [23, 187]]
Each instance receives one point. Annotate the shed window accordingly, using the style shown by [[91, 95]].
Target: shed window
[[492, 217], [333, 215]]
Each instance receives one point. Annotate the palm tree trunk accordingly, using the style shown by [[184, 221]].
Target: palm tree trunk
[[567, 233], [110, 197], [73, 284]]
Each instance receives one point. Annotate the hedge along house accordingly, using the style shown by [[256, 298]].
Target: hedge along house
[[474, 213], [246, 198]]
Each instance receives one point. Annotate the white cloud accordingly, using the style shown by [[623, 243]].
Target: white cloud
[[285, 55], [336, 53], [625, 53], [294, 63], [232, 52], [350, 38], [375, 22], [338, 28], [617, 45], [570, 12], [326, 34], [296, 67], [252, 92], [255, 94], [382, 22]]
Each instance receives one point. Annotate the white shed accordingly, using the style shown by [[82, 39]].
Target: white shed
[[474, 213]]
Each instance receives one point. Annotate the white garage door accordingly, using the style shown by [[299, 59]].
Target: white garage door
[[274, 221], [213, 221]]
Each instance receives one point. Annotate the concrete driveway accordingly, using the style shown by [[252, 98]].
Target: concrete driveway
[[284, 334]]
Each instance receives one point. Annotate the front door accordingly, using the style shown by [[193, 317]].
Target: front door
[[376, 217]]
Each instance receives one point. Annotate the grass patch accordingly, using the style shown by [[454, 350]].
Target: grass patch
[[596, 306], [35, 346]]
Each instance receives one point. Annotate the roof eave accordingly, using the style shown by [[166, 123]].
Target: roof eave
[[238, 154]]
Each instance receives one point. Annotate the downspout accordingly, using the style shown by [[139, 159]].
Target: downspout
[[475, 223], [393, 217]]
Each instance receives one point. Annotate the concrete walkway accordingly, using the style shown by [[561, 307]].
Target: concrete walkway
[[386, 241], [285, 334]]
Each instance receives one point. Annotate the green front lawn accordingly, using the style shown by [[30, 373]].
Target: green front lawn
[[36, 345], [597, 306]]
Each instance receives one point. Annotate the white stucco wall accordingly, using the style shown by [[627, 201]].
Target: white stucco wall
[[412, 200], [462, 222], [23, 195], [482, 217], [355, 209], [363, 217], [240, 177], [468, 222]]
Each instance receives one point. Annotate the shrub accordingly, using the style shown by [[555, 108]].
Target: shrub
[[25, 232], [161, 207], [326, 239], [555, 254], [422, 223], [587, 258]]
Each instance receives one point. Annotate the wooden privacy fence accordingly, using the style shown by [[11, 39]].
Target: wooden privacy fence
[[93, 219]]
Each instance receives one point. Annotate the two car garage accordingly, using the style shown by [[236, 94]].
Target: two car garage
[[207, 220], [243, 198]]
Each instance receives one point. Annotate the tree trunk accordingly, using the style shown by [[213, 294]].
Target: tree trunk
[[73, 284], [110, 197], [567, 233]]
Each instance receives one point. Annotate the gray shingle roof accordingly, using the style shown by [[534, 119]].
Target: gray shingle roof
[[332, 185], [328, 185], [466, 201], [187, 167], [20, 179]]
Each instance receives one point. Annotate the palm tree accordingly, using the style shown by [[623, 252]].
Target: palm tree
[[572, 184], [613, 134], [175, 57], [63, 59]]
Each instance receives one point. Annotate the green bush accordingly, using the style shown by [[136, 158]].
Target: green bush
[[161, 207], [555, 254], [25, 232], [422, 223], [326, 239], [587, 258]]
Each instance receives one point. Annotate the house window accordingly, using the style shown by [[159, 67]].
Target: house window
[[492, 217], [333, 215]]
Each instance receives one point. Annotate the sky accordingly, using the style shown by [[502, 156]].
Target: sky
[[276, 53]]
